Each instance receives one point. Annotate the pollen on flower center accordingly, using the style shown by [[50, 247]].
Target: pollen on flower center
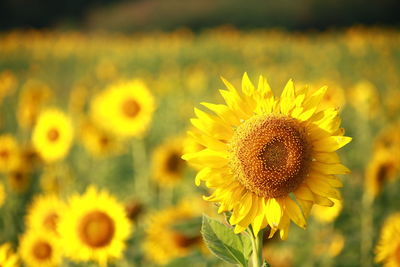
[[270, 155], [41, 250], [96, 229], [53, 135], [130, 108]]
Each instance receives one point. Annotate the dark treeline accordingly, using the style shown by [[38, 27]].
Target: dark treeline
[[195, 14]]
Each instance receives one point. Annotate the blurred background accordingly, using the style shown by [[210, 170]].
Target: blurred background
[[66, 54]]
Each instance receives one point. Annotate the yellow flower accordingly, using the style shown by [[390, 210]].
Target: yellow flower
[[333, 98], [168, 166], [260, 149], [9, 153], [44, 213], [98, 142], [388, 249], [329, 243], [19, 180], [52, 135], [7, 256], [40, 249], [2, 195], [8, 82], [34, 94], [327, 214], [55, 178], [94, 227], [364, 97], [163, 243], [124, 109], [382, 168]]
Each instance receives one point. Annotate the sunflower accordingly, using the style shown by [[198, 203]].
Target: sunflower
[[98, 142], [124, 109], [7, 256], [388, 249], [55, 178], [8, 82], [327, 214], [329, 243], [52, 135], [44, 213], [364, 97], [32, 97], [94, 227], [168, 166], [2, 194], [40, 249], [9, 153], [382, 168], [163, 242], [268, 159], [19, 180]]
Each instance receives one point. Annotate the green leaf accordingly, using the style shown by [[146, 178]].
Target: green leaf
[[224, 243], [265, 264]]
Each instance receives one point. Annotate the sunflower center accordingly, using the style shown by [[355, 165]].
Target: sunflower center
[[130, 108], [50, 221], [183, 241], [384, 172], [41, 250], [270, 156], [4, 154], [397, 254], [174, 163], [96, 229], [53, 135]]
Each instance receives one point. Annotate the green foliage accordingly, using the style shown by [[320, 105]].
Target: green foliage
[[224, 243]]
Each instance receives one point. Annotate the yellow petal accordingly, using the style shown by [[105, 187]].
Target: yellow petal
[[303, 192], [331, 144], [247, 85], [242, 209], [335, 168], [294, 212], [273, 212], [259, 219], [201, 174]]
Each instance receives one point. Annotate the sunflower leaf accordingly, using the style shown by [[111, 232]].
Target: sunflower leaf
[[224, 243]]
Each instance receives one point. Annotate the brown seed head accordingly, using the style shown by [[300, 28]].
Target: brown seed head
[[96, 229], [130, 108], [53, 135], [41, 250], [270, 155]]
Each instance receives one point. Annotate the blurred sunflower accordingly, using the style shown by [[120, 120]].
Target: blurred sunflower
[[327, 214], [8, 82], [261, 149], [2, 194], [94, 227], [388, 249], [44, 213], [124, 109], [163, 243], [19, 180], [329, 243], [55, 178], [364, 97], [40, 249], [382, 168], [168, 166], [7, 256], [9, 153], [98, 142], [334, 97], [52, 135], [389, 139], [32, 97]]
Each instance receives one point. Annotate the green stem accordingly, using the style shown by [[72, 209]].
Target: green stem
[[257, 245]]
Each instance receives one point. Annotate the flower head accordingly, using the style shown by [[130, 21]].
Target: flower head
[[268, 159]]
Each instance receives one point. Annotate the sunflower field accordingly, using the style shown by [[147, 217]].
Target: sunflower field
[[110, 155]]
